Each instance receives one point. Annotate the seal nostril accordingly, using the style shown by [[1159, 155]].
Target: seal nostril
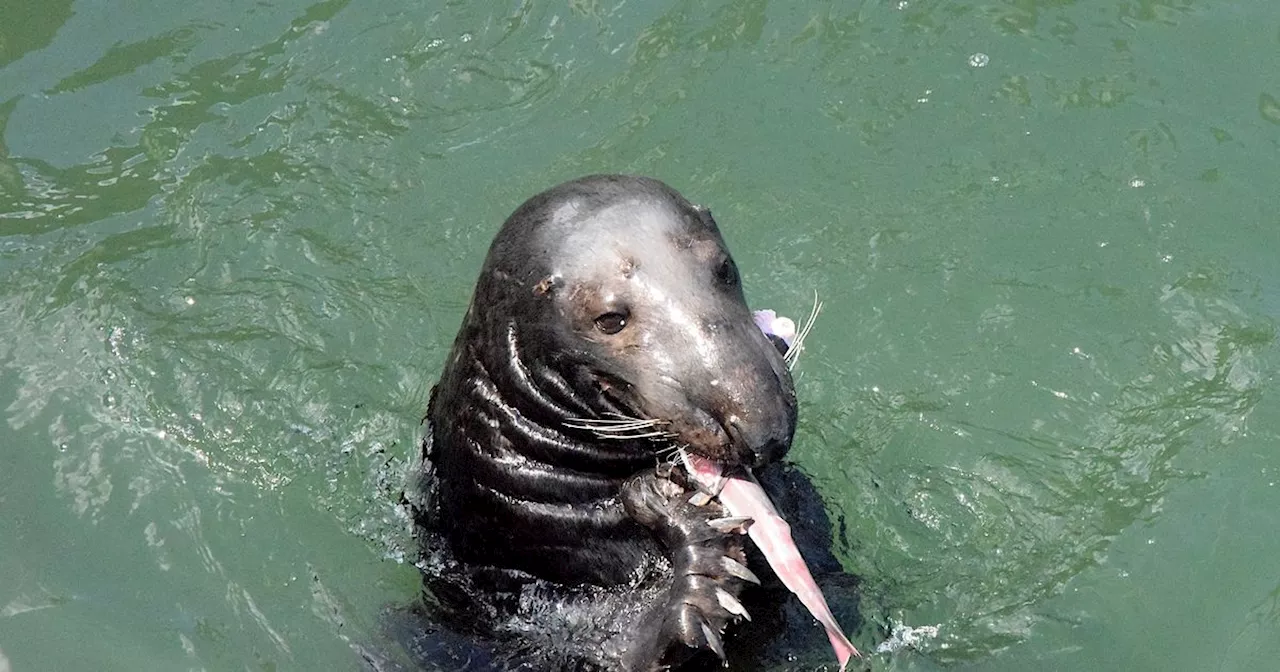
[[738, 447], [754, 451], [741, 445], [771, 452]]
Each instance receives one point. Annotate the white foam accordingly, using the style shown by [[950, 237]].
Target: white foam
[[902, 636]]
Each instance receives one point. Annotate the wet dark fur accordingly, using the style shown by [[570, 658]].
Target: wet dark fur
[[547, 547]]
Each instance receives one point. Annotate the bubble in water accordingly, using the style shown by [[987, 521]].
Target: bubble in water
[[979, 60]]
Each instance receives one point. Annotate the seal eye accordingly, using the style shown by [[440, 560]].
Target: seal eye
[[611, 323], [727, 273]]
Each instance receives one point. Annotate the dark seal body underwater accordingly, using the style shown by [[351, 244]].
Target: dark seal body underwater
[[607, 329]]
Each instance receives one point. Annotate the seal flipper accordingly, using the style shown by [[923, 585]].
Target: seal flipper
[[707, 574], [742, 495]]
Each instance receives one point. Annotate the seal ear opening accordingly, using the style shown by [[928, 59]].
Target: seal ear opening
[[727, 273]]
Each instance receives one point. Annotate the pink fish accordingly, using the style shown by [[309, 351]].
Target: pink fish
[[743, 496]]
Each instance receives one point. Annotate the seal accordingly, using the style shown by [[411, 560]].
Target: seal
[[608, 329]]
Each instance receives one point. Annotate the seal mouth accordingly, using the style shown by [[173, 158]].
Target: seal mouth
[[698, 430], [723, 442], [717, 436]]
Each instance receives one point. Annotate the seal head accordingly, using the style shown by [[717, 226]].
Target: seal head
[[608, 326]]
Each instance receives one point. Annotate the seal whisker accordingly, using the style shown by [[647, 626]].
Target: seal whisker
[[620, 429], [797, 345], [619, 421], [612, 424], [646, 435], [671, 457], [603, 431], [672, 454], [607, 429]]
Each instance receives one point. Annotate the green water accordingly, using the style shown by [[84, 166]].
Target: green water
[[236, 240]]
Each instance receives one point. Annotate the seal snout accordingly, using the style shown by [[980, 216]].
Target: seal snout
[[756, 446], [731, 439]]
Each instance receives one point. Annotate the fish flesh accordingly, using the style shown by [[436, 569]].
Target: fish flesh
[[741, 495]]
